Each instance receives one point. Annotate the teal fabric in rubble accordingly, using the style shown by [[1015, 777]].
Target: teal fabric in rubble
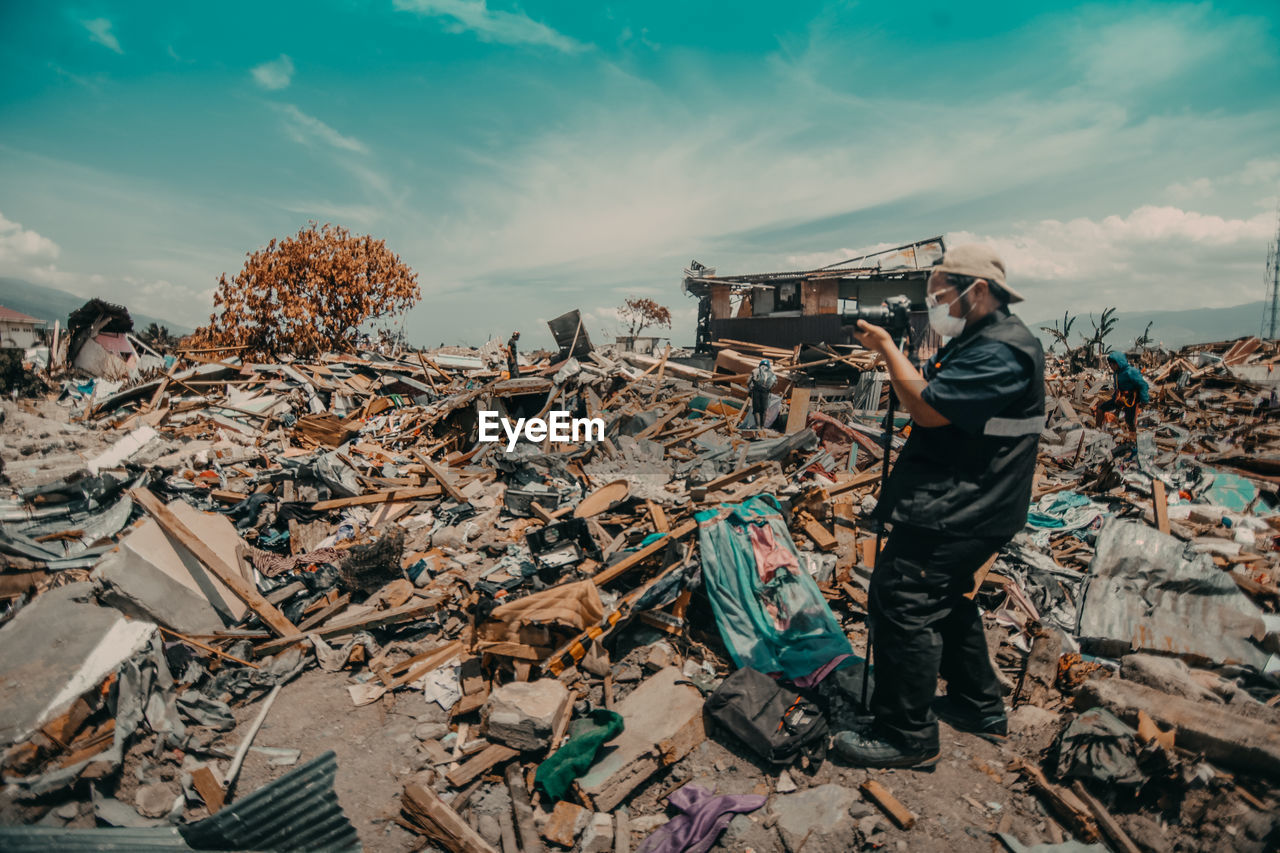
[[586, 735], [772, 617]]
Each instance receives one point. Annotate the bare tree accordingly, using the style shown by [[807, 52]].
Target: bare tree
[[309, 293], [640, 314]]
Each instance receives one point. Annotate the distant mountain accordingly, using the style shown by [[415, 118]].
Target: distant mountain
[[49, 304], [1173, 329]]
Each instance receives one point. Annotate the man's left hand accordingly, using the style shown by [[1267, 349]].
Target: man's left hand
[[874, 338]]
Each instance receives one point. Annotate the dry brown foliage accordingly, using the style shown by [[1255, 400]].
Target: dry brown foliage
[[309, 294], [642, 313]]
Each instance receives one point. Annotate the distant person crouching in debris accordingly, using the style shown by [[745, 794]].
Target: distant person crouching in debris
[[761, 386], [513, 356], [1131, 389], [958, 492]]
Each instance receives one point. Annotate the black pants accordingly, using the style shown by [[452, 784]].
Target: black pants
[[1113, 405], [759, 405], [922, 626]]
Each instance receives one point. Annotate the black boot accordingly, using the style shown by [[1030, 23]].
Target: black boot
[[990, 727], [868, 749]]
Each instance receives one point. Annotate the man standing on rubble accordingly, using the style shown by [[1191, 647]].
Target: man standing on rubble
[[760, 385], [513, 360], [959, 491], [1131, 389]]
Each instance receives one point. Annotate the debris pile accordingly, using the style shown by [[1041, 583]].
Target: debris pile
[[311, 581]]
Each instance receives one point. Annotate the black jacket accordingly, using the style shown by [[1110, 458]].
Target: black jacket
[[954, 482]]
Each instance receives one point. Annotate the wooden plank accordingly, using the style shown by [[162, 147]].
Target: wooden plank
[[1160, 505], [319, 617], [1065, 804], [981, 575], [888, 803], [733, 477], [433, 817], [660, 523], [869, 552], [230, 577], [529, 838], [491, 756], [798, 411], [208, 788], [857, 481], [1120, 840], [210, 649], [627, 563], [404, 613], [821, 536], [387, 496], [548, 516], [442, 478], [420, 665]]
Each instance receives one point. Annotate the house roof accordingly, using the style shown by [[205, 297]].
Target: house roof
[[8, 315]]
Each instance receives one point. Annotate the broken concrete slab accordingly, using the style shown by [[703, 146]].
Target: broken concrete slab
[[663, 724], [43, 670], [153, 576], [746, 833], [816, 820], [122, 450], [523, 714], [1224, 738]]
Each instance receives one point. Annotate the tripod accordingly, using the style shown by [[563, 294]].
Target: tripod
[[909, 346]]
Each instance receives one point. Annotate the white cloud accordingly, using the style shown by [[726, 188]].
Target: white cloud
[[307, 130], [100, 32], [1199, 188], [1154, 256], [1123, 50], [492, 25], [21, 248], [274, 75]]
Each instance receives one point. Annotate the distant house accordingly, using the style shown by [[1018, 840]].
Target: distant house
[[99, 343], [782, 309], [17, 330]]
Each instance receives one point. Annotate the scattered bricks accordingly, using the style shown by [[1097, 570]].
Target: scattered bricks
[[598, 836], [523, 714], [566, 822]]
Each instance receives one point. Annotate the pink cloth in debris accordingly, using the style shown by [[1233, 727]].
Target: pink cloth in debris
[[770, 555], [703, 816]]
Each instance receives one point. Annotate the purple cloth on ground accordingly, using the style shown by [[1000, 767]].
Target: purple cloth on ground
[[703, 817]]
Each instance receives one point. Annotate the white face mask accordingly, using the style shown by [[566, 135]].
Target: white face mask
[[940, 319]]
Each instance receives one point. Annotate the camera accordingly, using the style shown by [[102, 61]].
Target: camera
[[894, 315]]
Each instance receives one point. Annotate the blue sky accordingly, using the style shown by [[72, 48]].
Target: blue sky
[[530, 158]]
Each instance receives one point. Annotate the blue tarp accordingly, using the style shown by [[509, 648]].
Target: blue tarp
[[770, 612]]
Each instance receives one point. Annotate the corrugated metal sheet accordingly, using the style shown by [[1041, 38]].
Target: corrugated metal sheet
[[299, 811], [1145, 591], [111, 839]]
